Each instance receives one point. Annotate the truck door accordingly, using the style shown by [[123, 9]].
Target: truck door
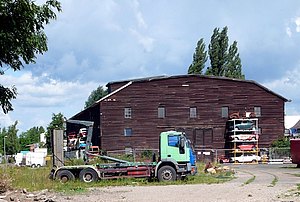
[[176, 148]]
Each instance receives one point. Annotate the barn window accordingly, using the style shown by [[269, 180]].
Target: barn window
[[257, 111], [127, 131], [193, 112], [161, 112], [224, 112], [127, 113]]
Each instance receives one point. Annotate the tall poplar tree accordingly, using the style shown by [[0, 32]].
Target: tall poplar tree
[[233, 64], [199, 58], [217, 51], [224, 62]]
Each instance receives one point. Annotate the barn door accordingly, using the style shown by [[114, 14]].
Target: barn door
[[203, 138]]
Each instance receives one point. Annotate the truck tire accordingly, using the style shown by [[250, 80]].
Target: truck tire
[[88, 175], [65, 176], [166, 173]]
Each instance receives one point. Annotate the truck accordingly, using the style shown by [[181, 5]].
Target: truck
[[176, 160], [295, 151]]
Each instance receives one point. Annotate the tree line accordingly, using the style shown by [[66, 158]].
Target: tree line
[[15, 143]]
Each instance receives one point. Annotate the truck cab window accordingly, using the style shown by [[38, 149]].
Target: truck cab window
[[173, 141]]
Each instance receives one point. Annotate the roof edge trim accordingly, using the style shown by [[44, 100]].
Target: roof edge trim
[[115, 91]]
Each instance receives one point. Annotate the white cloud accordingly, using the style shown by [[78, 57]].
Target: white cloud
[[5, 120], [293, 26], [297, 22], [288, 86], [145, 41], [39, 97], [138, 14], [288, 31]]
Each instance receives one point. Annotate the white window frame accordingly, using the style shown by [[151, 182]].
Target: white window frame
[[127, 132], [257, 111], [127, 113], [225, 112], [161, 112], [193, 112]]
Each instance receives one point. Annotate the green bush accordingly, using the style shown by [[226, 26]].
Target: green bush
[[281, 142]]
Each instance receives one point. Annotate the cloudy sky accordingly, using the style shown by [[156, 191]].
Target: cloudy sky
[[97, 41]]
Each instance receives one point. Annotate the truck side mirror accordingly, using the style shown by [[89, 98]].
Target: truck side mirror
[[182, 145], [182, 142]]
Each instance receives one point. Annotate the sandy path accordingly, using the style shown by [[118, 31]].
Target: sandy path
[[237, 190]]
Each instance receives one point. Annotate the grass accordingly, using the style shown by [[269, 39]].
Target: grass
[[250, 180], [295, 174], [37, 179], [274, 181]]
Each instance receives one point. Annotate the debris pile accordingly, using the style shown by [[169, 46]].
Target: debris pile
[[5, 183], [209, 168], [23, 195]]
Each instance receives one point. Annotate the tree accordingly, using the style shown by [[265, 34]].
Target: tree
[[56, 123], [199, 58], [7, 94], [31, 136], [95, 96], [281, 143], [11, 139], [217, 51], [22, 37], [233, 66]]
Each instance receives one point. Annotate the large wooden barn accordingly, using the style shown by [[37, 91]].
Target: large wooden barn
[[135, 111]]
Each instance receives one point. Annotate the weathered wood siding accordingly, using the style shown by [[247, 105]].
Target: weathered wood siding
[[177, 95]]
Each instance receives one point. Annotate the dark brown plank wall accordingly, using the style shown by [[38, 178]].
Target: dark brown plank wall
[[177, 95]]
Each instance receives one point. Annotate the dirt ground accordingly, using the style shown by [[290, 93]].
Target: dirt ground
[[253, 183]]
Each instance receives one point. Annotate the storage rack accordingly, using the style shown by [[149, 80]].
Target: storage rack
[[242, 139]]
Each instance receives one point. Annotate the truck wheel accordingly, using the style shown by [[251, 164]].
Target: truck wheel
[[88, 175], [65, 176], [33, 166], [166, 173]]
